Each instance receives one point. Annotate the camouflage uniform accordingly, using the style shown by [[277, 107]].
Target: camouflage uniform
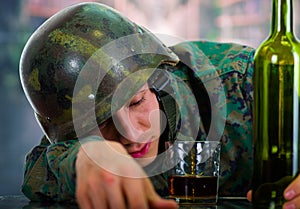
[[50, 168]]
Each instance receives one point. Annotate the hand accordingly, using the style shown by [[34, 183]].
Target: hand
[[292, 195], [104, 171]]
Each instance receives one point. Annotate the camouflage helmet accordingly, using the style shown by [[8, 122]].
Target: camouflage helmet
[[74, 62]]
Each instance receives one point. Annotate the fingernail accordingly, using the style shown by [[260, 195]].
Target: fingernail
[[289, 194], [289, 206]]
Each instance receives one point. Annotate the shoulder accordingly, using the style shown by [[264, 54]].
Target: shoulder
[[210, 59]]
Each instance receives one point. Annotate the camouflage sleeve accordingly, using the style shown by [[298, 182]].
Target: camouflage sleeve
[[247, 82], [50, 171]]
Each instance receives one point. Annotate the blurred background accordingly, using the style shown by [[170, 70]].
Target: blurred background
[[242, 21]]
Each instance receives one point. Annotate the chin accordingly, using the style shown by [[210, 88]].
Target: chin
[[144, 161]]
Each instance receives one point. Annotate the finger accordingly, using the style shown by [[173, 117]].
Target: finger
[[249, 196], [134, 191], [82, 198], [98, 200], [97, 195], [112, 186], [163, 204], [155, 201], [151, 193], [294, 203], [293, 189]]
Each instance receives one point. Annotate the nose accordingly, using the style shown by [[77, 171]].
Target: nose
[[126, 127]]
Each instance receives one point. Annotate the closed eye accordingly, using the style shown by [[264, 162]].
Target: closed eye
[[136, 103]]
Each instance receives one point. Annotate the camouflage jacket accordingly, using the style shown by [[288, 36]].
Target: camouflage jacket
[[50, 168]]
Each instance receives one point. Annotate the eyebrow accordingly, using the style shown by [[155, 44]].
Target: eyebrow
[[141, 90]]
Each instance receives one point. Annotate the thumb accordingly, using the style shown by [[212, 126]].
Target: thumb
[[249, 196], [155, 201]]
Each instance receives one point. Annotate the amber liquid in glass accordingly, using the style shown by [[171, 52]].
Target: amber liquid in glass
[[190, 187]]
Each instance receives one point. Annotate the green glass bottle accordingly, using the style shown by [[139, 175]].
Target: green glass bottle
[[276, 109]]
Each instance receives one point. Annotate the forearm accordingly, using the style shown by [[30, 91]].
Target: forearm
[[38, 182], [50, 171], [61, 158]]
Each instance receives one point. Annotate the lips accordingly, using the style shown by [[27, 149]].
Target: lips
[[141, 152]]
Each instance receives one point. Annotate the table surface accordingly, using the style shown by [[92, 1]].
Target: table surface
[[21, 202]]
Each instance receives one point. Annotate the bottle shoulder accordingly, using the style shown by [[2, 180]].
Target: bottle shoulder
[[282, 47], [279, 41]]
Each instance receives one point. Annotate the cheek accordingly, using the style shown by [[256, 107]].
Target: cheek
[[146, 117], [155, 114], [154, 120], [150, 114], [152, 106], [154, 150]]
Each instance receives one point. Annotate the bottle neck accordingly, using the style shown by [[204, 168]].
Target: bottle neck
[[282, 16]]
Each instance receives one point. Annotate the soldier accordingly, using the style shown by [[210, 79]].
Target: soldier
[[108, 95]]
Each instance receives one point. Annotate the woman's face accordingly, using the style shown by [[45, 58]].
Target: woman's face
[[136, 125]]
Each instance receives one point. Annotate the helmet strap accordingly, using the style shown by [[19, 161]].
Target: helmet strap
[[160, 84]]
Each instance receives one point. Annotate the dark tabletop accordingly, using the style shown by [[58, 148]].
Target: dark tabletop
[[21, 202]]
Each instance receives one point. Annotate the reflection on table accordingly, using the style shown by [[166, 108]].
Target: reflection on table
[[223, 203], [21, 202]]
